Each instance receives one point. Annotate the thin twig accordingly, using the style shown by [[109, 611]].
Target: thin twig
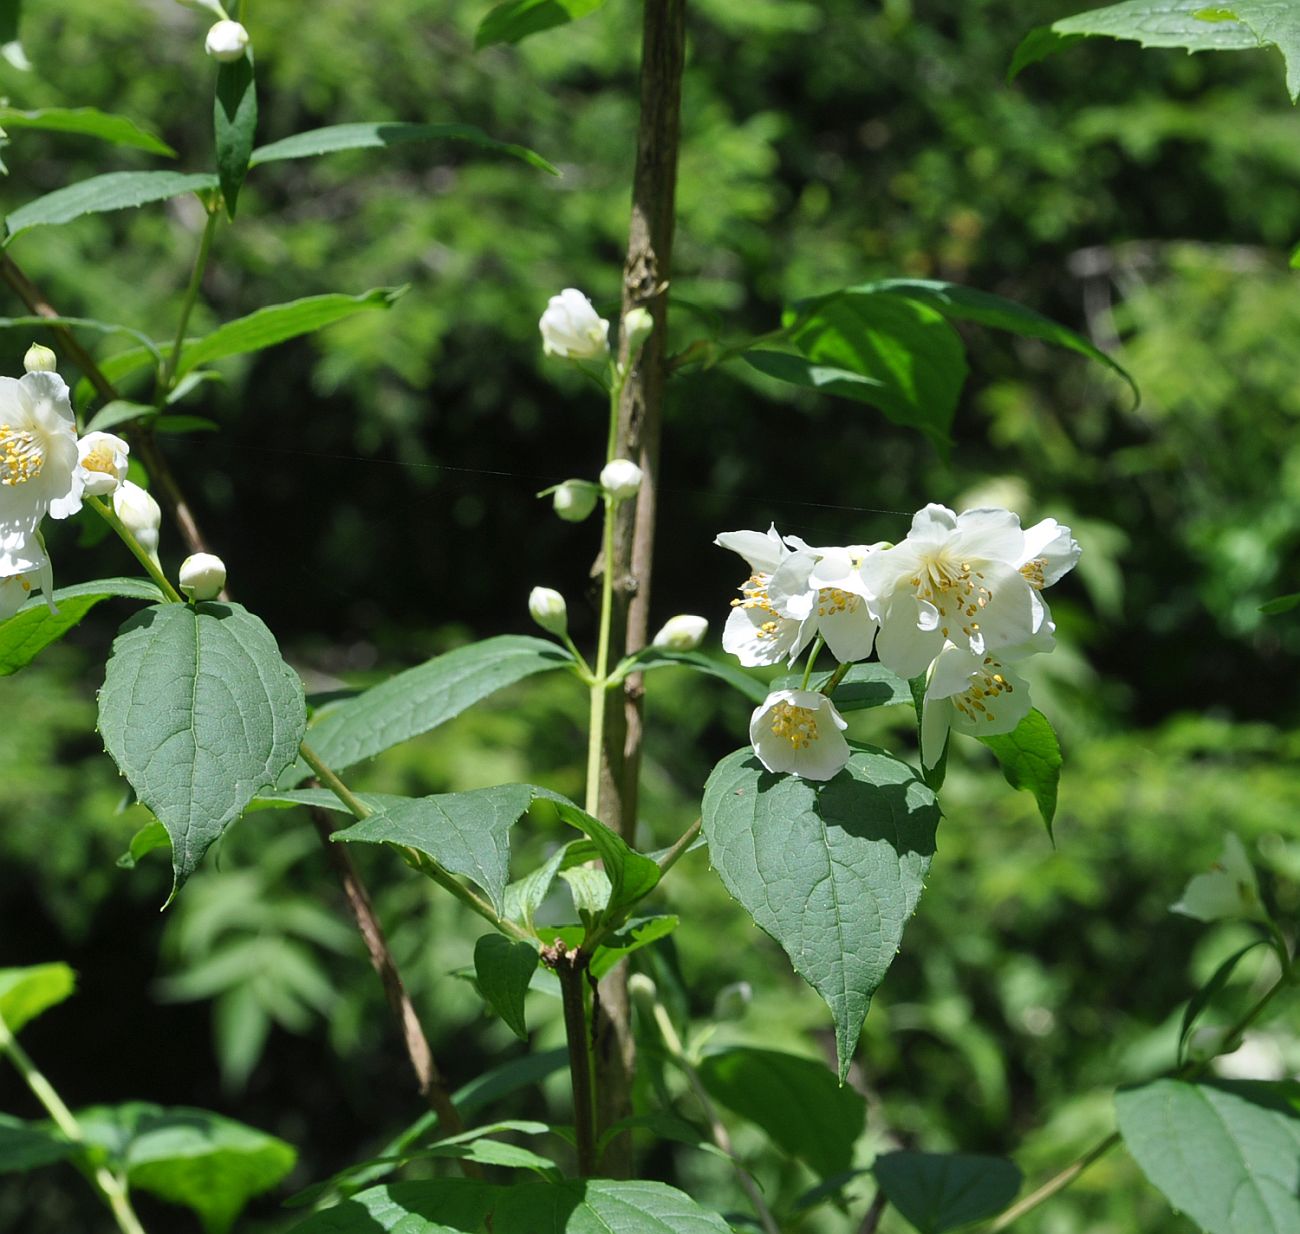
[[671, 857], [871, 1220]]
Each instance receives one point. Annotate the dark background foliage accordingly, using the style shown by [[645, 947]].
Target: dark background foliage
[[372, 493]]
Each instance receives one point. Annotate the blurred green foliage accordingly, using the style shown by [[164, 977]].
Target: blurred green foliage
[[1147, 199]]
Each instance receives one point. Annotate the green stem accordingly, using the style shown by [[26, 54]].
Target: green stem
[[684, 841], [152, 568], [570, 967], [329, 777], [596, 732], [818, 644], [1188, 1071], [717, 1128], [191, 295], [835, 678], [111, 1188]]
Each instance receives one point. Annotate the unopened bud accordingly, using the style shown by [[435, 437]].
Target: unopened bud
[[641, 990], [226, 41], [733, 1001], [139, 514], [637, 327], [101, 459], [685, 632], [574, 500], [40, 359], [548, 609], [621, 478], [202, 576]]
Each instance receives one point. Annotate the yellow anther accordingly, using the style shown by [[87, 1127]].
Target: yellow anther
[[797, 725], [21, 458]]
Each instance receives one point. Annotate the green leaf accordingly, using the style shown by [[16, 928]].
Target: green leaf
[[383, 134], [637, 933], [234, 120], [151, 836], [421, 698], [278, 322], [525, 897], [503, 969], [119, 190], [174, 424], [1205, 995], [1225, 1155], [149, 348], [517, 19], [1030, 756], [723, 670], [797, 1101], [826, 378], [1163, 23], [591, 890], [120, 411], [210, 1164], [959, 303], [33, 627], [941, 1191], [906, 346], [1281, 604], [88, 122], [1295, 258], [466, 833], [452, 1205], [27, 992], [1037, 45], [27, 1146], [200, 713], [10, 16], [832, 871], [863, 686]]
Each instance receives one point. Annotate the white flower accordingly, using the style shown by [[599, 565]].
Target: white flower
[[101, 460], [1230, 890], [40, 360], [38, 459], [572, 328], [202, 576], [620, 478], [139, 513], [685, 632], [226, 41], [756, 633], [972, 694], [824, 587], [547, 607], [799, 731], [16, 589], [574, 500], [971, 579]]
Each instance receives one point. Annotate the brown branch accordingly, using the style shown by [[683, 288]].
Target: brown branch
[[871, 1221], [646, 275]]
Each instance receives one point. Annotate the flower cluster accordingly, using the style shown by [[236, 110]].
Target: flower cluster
[[959, 600]]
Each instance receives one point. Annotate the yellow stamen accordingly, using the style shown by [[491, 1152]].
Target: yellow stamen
[[797, 725], [21, 458]]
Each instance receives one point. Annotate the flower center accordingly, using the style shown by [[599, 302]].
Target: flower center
[[955, 589], [100, 459], [1034, 571], [831, 600], [21, 456], [797, 725], [987, 685], [754, 590]]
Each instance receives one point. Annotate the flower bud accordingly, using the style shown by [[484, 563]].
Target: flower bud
[[572, 328], [574, 500], [733, 1001], [202, 576], [637, 327], [685, 632], [139, 514], [621, 478], [548, 609], [642, 991], [40, 359], [101, 461], [226, 41]]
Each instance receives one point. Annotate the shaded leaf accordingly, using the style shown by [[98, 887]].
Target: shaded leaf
[[234, 120], [1205, 995], [27, 1146], [151, 836], [503, 969], [88, 122], [517, 19], [1037, 45], [723, 670], [1030, 757], [1281, 604], [941, 1191], [118, 190]]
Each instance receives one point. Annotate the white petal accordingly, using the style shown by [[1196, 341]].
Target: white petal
[[903, 647], [788, 588], [849, 631], [989, 535], [936, 724], [932, 525], [762, 550], [1053, 544], [799, 732], [758, 637], [993, 703]]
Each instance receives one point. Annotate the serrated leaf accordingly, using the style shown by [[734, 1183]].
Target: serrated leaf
[[33, 628], [797, 1101], [1225, 1155], [87, 122], [27, 992], [382, 134], [466, 833], [279, 322], [119, 190], [517, 19], [832, 871], [210, 1164], [942, 1191], [723, 670], [421, 698], [449, 1206], [1161, 23], [27, 1146], [200, 713], [234, 122], [503, 968], [1030, 757]]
